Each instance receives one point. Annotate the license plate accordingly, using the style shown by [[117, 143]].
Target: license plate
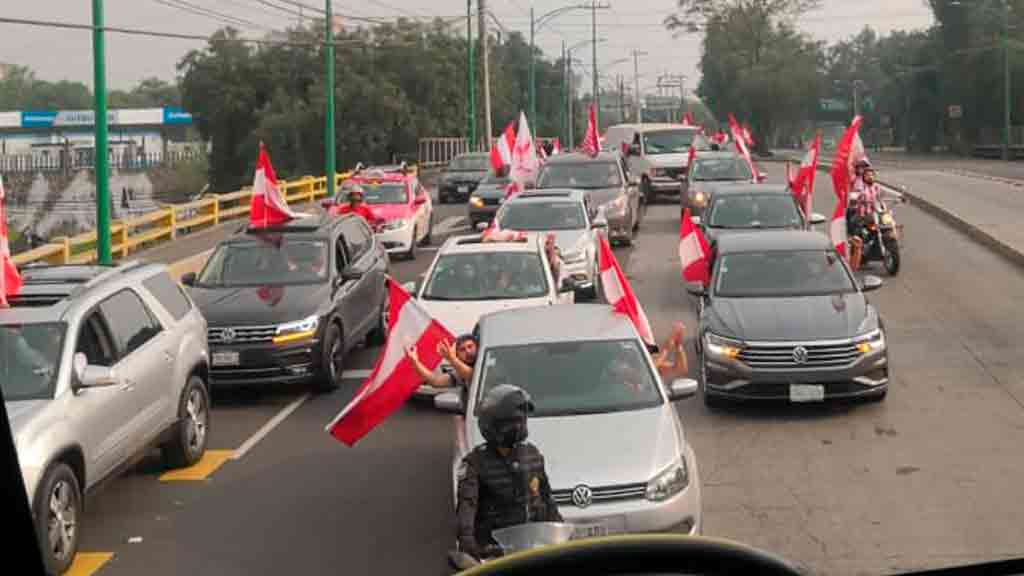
[[225, 358], [581, 531], [463, 189], [806, 393]]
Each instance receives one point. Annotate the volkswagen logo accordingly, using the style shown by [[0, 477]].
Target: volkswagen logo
[[582, 496], [799, 354], [228, 334]]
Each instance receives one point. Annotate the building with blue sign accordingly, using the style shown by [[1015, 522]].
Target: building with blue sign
[[66, 137]]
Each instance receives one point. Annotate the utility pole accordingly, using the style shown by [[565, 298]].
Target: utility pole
[[636, 83], [102, 166], [622, 101], [485, 56], [593, 44], [572, 112], [1006, 81], [330, 166], [562, 118], [470, 78], [533, 98]]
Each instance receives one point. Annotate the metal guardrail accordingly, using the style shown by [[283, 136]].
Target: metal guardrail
[[438, 151], [168, 223]]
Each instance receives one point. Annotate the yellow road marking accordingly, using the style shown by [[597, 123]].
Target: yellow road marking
[[207, 465], [86, 563]]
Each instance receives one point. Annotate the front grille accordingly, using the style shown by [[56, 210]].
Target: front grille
[[830, 355], [604, 493], [676, 173], [242, 334]]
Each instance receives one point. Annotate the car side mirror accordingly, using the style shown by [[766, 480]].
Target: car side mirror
[[91, 376], [188, 279], [681, 388], [817, 218], [351, 273], [696, 288], [870, 283], [450, 401]]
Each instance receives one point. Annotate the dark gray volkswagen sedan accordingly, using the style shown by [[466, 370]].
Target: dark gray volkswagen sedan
[[784, 319]]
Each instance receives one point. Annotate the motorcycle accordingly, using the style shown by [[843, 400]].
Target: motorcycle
[[882, 236], [518, 538]]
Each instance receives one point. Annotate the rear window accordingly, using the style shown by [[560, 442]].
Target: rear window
[[169, 294]]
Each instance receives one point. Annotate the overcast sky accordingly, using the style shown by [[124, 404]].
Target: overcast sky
[[626, 25]]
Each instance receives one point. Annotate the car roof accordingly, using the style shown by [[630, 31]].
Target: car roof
[[474, 244], [314, 225], [716, 154], [48, 292], [567, 194], [556, 323], [759, 189], [603, 157], [773, 241]]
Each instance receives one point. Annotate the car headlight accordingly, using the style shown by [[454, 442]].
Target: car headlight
[[476, 202], [699, 198], [669, 482], [887, 219], [871, 342], [394, 224], [298, 330], [722, 347]]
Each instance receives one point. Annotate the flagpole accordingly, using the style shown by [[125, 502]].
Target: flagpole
[[330, 168]]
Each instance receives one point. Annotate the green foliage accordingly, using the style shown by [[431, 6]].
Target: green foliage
[[21, 90]]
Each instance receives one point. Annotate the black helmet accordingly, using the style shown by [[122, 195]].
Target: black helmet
[[503, 414]]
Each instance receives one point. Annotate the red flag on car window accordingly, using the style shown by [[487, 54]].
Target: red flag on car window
[[10, 280]]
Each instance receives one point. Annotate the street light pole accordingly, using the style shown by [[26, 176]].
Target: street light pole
[[102, 166], [1006, 81], [330, 166], [636, 83], [593, 39], [533, 103], [562, 101], [485, 56]]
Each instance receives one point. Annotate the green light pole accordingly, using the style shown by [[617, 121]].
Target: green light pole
[[470, 77], [102, 161], [1007, 155], [330, 168]]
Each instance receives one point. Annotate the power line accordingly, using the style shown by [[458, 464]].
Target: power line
[[206, 12]]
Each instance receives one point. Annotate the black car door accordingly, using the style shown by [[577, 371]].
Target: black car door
[[361, 279]]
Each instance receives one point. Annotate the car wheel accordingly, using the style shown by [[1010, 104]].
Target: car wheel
[[442, 198], [189, 442], [627, 239], [57, 513], [877, 397], [648, 191], [333, 362], [380, 333], [430, 231], [411, 253]]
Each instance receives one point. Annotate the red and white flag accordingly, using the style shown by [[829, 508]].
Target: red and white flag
[[694, 253], [848, 152], [501, 151], [802, 184], [591, 144], [495, 233], [748, 137], [394, 378], [688, 119], [268, 207], [619, 293], [10, 280], [741, 143], [690, 157], [525, 162], [556, 147]]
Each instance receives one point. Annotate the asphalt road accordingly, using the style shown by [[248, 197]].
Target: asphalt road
[[926, 479]]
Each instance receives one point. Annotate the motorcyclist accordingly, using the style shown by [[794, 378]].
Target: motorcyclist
[[502, 482], [860, 207], [357, 204]]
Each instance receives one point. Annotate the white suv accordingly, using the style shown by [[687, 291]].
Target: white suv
[[471, 277], [656, 154]]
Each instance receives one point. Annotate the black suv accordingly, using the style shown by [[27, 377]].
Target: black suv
[[461, 177], [285, 304]]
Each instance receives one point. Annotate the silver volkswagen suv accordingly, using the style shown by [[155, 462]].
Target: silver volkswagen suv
[[98, 364]]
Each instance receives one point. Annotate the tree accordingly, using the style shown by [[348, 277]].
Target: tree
[[21, 90]]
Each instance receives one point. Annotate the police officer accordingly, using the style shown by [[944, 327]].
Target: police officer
[[502, 482]]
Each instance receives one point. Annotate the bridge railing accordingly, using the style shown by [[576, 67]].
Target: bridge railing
[[438, 151], [167, 223]]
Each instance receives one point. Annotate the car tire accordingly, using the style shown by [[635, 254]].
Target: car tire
[[379, 335], [430, 232], [878, 397], [710, 401], [648, 191], [58, 530], [411, 253], [442, 198], [332, 364], [188, 444]]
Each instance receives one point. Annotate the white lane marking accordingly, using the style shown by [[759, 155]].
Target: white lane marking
[[450, 223], [270, 425], [352, 374]]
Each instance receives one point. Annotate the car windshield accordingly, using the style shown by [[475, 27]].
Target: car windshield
[[754, 211], [30, 359], [542, 216], [266, 261], [721, 169], [487, 276], [581, 377], [383, 193], [668, 141], [782, 274], [582, 175], [465, 163]]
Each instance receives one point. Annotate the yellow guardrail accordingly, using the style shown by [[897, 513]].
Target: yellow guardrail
[[169, 222]]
